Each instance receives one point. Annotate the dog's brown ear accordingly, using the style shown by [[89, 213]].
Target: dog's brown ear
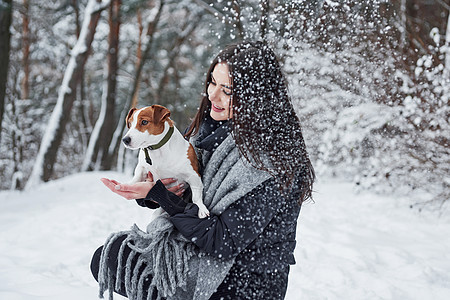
[[160, 113], [130, 114]]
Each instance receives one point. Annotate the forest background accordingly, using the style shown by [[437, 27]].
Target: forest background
[[370, 81]]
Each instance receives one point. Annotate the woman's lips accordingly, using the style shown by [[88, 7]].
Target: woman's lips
[[217, 109]]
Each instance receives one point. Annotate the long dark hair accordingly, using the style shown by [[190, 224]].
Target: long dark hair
[[265, 127]]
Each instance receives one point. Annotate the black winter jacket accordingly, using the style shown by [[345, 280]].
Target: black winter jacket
[[259, 229]]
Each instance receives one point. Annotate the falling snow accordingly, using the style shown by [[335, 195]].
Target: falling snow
[[376, 132]]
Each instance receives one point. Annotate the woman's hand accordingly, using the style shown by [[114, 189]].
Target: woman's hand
[[178, 189], [140, 189], [129, 191]]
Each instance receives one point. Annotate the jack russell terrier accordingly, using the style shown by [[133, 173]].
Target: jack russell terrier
[[165, 152]]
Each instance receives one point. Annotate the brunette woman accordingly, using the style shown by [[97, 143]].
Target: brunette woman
[[256, 174]]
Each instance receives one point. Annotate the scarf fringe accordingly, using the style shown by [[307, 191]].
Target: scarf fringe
[[105, 276], [129, 283], [162, 258]]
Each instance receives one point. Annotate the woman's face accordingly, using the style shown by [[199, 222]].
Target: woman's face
[[219, 93]]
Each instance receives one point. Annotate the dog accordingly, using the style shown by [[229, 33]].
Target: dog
[[164, 151]]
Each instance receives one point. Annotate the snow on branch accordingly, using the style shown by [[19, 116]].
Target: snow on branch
[[54, 131]]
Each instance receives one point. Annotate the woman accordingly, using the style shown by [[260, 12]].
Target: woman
[[256, 174]]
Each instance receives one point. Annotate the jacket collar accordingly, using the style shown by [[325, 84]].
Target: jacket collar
[[212, 133]]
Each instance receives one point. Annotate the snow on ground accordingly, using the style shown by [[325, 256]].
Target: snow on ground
[[350, 246]]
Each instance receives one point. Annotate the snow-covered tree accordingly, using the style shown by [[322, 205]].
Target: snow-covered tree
[[43, 167], [5, 36]]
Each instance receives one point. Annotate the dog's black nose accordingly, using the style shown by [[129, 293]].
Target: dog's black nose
[[126, 140]]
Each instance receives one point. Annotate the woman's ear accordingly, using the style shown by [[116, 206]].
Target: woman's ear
[[130, 115], [160, 113]]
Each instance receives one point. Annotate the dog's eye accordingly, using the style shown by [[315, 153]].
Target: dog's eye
[[144, 122]]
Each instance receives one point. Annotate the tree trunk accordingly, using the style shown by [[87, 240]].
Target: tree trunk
[[84, 125], [16, 148], [403, 25], [43, 167], [134, 101], [104, 128], [5, 36], [115, 143], [263, 22], [237, 19], [447, 44], [25, 85]]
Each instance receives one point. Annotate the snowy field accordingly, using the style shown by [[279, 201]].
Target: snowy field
[[350, 246]]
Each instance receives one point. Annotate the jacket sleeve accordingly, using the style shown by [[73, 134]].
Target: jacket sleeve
[[226, 235], [147, 203], [159, 196]]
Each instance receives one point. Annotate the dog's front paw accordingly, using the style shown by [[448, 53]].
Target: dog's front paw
[[203, 212]]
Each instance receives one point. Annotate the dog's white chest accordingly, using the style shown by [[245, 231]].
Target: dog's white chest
[[170, 161]]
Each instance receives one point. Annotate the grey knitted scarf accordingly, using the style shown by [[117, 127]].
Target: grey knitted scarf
[[178, 268]]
